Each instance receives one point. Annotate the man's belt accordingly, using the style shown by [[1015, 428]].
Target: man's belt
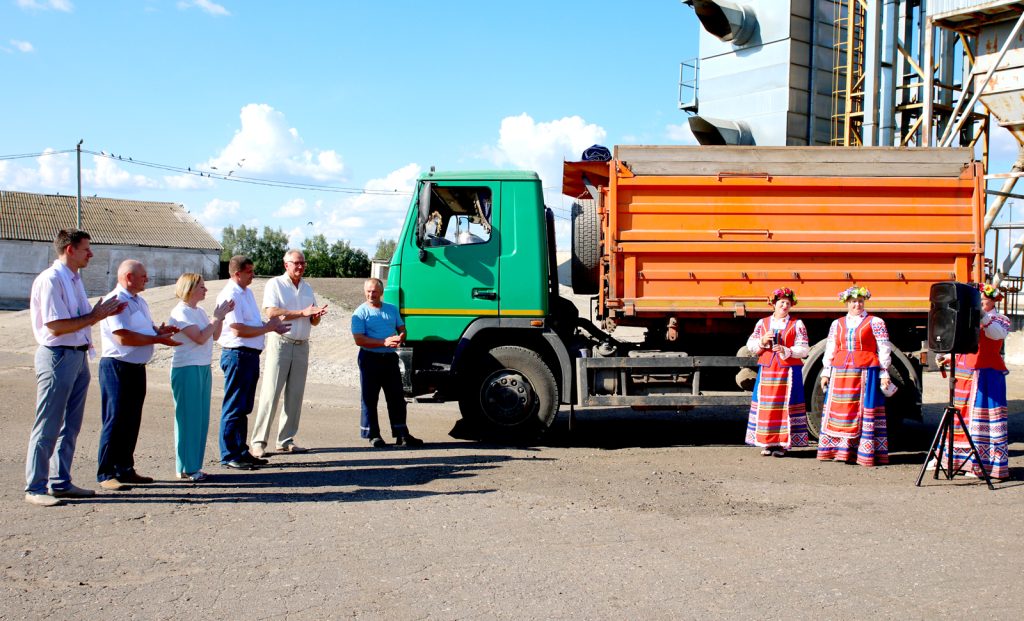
[[248, 350], [292, 341], [72, 347]]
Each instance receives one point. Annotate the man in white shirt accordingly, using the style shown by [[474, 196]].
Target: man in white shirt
[[241, 345], [289, 298], [128, 339], [61, 322]]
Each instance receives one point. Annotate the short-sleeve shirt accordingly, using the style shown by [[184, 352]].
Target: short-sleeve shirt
[[245, 312], [282, 293], [58, 293], [377, 323], [136, 318], [190, 353]]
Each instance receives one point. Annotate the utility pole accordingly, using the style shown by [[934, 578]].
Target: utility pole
[[78, 149]]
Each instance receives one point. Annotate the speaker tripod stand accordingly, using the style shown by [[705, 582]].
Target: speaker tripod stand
[[944, 439]]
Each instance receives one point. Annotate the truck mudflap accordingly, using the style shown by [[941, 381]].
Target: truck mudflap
[[607, 382]]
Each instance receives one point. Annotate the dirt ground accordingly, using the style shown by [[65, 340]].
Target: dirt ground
[[626, 515]]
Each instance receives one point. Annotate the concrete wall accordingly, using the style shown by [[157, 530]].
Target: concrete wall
[[21, 262]]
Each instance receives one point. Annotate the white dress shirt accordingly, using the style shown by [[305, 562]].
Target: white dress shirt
[[136, 318], [246, 312], [280, 292], [58, 293]]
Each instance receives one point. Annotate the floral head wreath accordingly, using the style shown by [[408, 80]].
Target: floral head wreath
[[854, 292], [990, 292], [782, 292]]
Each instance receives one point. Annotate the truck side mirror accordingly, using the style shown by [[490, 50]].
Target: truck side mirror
[[423, 211]]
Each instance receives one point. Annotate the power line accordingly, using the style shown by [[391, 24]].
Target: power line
[[21, 156], [230, 176]]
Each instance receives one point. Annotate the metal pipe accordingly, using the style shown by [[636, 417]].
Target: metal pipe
[[951, 129], [78, 203], [1003, 271], [997, 204]]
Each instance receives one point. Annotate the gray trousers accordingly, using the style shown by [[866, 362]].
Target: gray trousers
[[62, 381], [284, 371]]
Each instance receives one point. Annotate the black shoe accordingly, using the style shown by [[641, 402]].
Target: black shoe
[[378, 442], [256, 461], [238, 465], [134, 478], [408, 440]]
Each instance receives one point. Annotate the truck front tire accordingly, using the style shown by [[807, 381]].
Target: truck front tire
[[510, 394]]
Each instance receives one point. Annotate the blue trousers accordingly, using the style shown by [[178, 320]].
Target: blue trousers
[[122, 392], [191, 387], [241, 372], [380, 372], [62, 381]]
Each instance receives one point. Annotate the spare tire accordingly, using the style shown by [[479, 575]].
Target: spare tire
[[586, 248]]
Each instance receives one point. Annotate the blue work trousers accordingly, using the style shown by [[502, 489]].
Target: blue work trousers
[[241, 368], [62, 381], [380, 372], [122, 393]]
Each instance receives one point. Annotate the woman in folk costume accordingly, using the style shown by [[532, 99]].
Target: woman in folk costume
[[854, 376], [980, 394], [777, 420]]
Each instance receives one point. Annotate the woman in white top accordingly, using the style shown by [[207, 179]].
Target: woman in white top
[[191, 377]]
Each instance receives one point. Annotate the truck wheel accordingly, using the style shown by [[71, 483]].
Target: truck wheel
[[510, 394], [586, 248]]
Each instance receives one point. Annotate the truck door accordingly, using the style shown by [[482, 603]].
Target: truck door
[[454, 278]]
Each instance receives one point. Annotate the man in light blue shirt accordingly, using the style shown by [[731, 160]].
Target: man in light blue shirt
[[378, 330]]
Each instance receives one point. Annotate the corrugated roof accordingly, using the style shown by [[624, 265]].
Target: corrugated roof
[[38, 217]]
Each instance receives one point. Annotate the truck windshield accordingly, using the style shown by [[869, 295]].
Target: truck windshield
[[459, 216]]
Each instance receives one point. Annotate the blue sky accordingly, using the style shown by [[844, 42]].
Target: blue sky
[[350, 94]]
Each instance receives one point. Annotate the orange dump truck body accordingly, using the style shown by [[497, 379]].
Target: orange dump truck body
[[700, 232]]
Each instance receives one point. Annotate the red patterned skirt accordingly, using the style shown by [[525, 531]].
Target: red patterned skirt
[[853, 420], [777, 413]]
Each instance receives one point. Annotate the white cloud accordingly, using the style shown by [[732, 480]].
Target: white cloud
[[680, 133], [292, 209], [265, 144], [217, 214], [54, 172], [187, 182], [542, 147], [206, 6], [46, 5], [22, 46], [107, 175], [365, 219]]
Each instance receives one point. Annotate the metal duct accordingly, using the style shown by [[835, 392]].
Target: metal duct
[[720, 132], [730, 22]]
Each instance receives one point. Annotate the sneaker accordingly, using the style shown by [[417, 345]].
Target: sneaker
[[113, 485], [134, 478], [408, 440], [42, 500], [293, 448], [258, 450], [378, 442], [73, 491]]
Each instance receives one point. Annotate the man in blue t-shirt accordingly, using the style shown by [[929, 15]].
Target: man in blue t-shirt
[[378, 330]]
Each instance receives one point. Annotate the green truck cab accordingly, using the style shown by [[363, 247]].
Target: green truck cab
[[474, 277]]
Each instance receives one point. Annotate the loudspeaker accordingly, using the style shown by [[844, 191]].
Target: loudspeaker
[[954, 319]]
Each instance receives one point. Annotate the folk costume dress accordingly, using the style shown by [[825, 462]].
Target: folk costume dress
[[856, 359], [980, 395], [777, 414]]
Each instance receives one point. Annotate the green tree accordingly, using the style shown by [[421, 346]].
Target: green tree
[[348, 261], [385, 250], [268, 256], [243, 240], [319, 263]]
